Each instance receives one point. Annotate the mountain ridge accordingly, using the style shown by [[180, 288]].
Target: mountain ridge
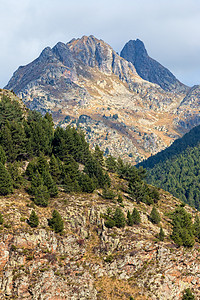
[[87, 77]]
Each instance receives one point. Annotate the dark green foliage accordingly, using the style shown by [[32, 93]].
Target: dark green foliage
[[177, 168], [182, 233], [54, 167], [138, 188], [196, 227], [98, 155], [120, 199], [161, 234], [2, 156], [50, 184], [35, 182], [15, 171], [119, 218], [108, 193], [1, 219], [41, 196], [110, 223], [111, 164], [33, 219], [188, 295], [56, 222], [9, 111], [129, 219], [154, 216], [95, 171], [6, 184], [86, 183], [136, 216], [70, 141]]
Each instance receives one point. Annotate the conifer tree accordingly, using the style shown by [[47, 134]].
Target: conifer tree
[[111, 164], [2, 156], [161, 234], [56, 222], [154, 216], [129, 219], [50, 184], [136, 216], [6, 185], [33, 219], [35, 182], [119, 218], [120, 199], [98, 155], [188, 295], [1, 219], [41, 196], [54, 168]]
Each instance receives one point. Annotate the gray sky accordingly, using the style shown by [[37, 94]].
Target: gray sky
[[170, 30]]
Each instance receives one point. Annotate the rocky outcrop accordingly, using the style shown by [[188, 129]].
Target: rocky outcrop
[[149, 69], [90, 261]]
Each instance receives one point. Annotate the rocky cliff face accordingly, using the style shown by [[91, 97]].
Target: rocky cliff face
[[125, 114], [149, 69], [90, 261]]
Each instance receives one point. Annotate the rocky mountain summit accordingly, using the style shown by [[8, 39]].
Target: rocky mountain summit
[[149, 69], [130, 108]]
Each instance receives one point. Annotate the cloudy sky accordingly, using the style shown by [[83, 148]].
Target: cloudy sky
[[170, 30]]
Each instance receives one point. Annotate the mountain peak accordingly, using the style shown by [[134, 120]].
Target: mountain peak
[[149, 69]]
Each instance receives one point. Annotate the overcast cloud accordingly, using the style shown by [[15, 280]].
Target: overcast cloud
[[170, 30]]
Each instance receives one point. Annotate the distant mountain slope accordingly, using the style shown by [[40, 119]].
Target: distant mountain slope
[[148, 68], [177, 168], [86, 83], [190, 139]]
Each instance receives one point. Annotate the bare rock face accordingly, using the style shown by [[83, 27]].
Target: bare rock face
[[90, 261], [126, 115], [149, 69]]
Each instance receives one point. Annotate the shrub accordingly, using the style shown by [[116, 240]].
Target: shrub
[[154, 216], [119, 218], [56, 222], [33, 219], [188, 295]]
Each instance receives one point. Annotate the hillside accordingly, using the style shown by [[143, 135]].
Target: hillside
[[75, 225], [176, 169], [86, 83]]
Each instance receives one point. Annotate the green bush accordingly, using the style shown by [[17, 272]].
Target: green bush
[[33, 219], [56, 222], [154, 216], [188, 295]]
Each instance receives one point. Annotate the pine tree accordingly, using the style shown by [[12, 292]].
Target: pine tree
[[2, 156], [54, 168], [1, 219], [6, 185], [154, 216], [129, 219], [98, 155], [56, 222], [111, 164], [33, 219], [50, 184], [136, 216], [161, 234], [35, 182], [119, 218], [188, 295], [120, 199], [41, 196]]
